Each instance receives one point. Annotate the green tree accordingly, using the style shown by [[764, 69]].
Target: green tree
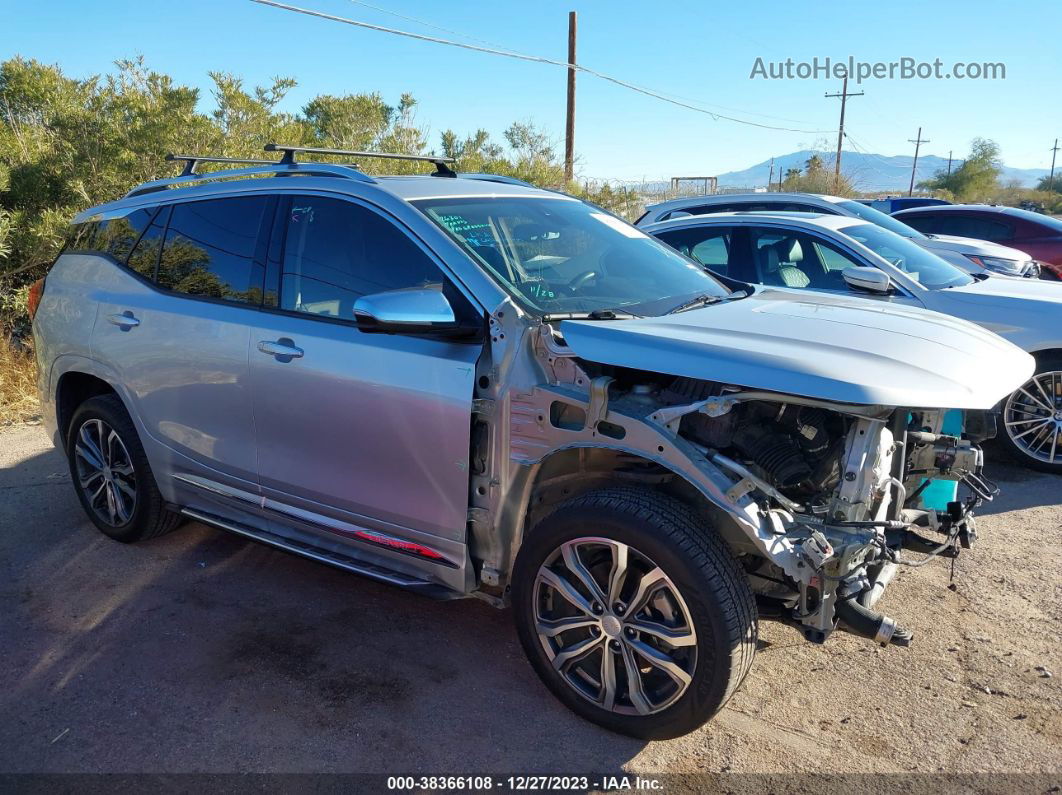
[[817, 177], [1051, 184], [67, 143], [976, 179]]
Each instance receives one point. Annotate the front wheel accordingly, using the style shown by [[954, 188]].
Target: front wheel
[[633, 612], [1032, 418]]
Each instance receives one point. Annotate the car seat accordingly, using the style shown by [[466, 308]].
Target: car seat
[[778, 269]]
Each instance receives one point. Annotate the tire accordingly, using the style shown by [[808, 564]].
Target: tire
[[1031, 434], [112, 478], [704, 592]]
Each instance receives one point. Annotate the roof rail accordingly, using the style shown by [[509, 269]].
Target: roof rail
[[442, 164], [261, 167], [495, 178], [191, 161]]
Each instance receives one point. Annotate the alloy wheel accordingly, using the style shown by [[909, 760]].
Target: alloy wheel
[[614, 626], [1033, 417], [105, 472]]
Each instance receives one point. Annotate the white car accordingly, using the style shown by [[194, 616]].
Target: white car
[[972, 256], [839, 254]]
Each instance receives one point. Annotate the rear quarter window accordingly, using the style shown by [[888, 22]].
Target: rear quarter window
[[118, 236], [115, 237]]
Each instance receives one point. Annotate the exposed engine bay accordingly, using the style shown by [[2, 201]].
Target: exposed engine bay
[[835, 489], [848, 485]]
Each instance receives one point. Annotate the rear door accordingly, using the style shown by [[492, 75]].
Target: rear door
[[358, 430], [176, 328]]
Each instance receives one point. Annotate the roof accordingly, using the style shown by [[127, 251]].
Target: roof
[[822, 220], [417, 187], [330, 177], [953, 208], [722, 198]]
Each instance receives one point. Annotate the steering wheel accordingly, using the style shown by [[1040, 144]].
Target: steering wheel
[[581, 279]]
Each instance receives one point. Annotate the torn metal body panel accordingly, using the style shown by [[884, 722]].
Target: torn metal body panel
[[808, 492]]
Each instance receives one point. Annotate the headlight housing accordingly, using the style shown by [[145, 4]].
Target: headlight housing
[[998, 264]]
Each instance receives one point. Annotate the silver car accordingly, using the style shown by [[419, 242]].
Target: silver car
[[467, 386], [840, 255], [972, 256]]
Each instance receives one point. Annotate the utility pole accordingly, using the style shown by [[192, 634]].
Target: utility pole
[[918, 143], [844, 95], [770, 177], [949, 162], [569, 121], [1051, 179]]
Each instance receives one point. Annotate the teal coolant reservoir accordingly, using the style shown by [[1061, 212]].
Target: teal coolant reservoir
[[939, 493]]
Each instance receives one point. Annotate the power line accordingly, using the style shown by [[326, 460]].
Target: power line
[[531, 58], [495, 44], [425, 23]]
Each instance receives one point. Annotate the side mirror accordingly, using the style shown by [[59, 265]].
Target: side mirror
[[870, 280], [408, 311]]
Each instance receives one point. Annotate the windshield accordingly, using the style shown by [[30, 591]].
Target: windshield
[[881, 219], [922, 266], [559, 255]]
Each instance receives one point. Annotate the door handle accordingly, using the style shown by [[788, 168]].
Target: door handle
[[283, 349], [125, 320]]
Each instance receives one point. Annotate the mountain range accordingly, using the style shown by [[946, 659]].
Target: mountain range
[[868, 172]]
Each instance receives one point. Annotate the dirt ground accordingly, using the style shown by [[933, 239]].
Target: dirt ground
[[201, 651]]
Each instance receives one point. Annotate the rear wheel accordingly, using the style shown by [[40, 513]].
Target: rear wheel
[[111, 474], [1032, 418], [634, 613]]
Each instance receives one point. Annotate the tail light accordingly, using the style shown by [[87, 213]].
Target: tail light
[[33, 300]]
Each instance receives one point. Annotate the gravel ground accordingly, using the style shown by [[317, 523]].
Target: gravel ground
[[201, 651]]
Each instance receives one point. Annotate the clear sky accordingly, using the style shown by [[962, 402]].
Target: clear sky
[[701, 51]]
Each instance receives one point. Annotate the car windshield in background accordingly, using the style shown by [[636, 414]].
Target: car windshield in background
[[922, 266], [881, 219], [558, 255]]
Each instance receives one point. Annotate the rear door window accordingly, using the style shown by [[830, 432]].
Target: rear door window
[[986, 229], [210, 249], [927, 224]]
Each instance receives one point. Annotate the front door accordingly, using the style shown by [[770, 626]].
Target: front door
[[358, 430], [783, 257]]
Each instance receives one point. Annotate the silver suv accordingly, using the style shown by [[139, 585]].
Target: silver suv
[[467, 386]]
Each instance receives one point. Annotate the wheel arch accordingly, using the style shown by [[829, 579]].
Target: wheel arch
[[1043, 354], [72, 389], [570, 471]]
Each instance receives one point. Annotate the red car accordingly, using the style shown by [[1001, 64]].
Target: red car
[[1039, 236]]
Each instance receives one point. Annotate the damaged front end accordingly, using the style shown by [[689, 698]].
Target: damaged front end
[[839, 487], [819, 500]]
